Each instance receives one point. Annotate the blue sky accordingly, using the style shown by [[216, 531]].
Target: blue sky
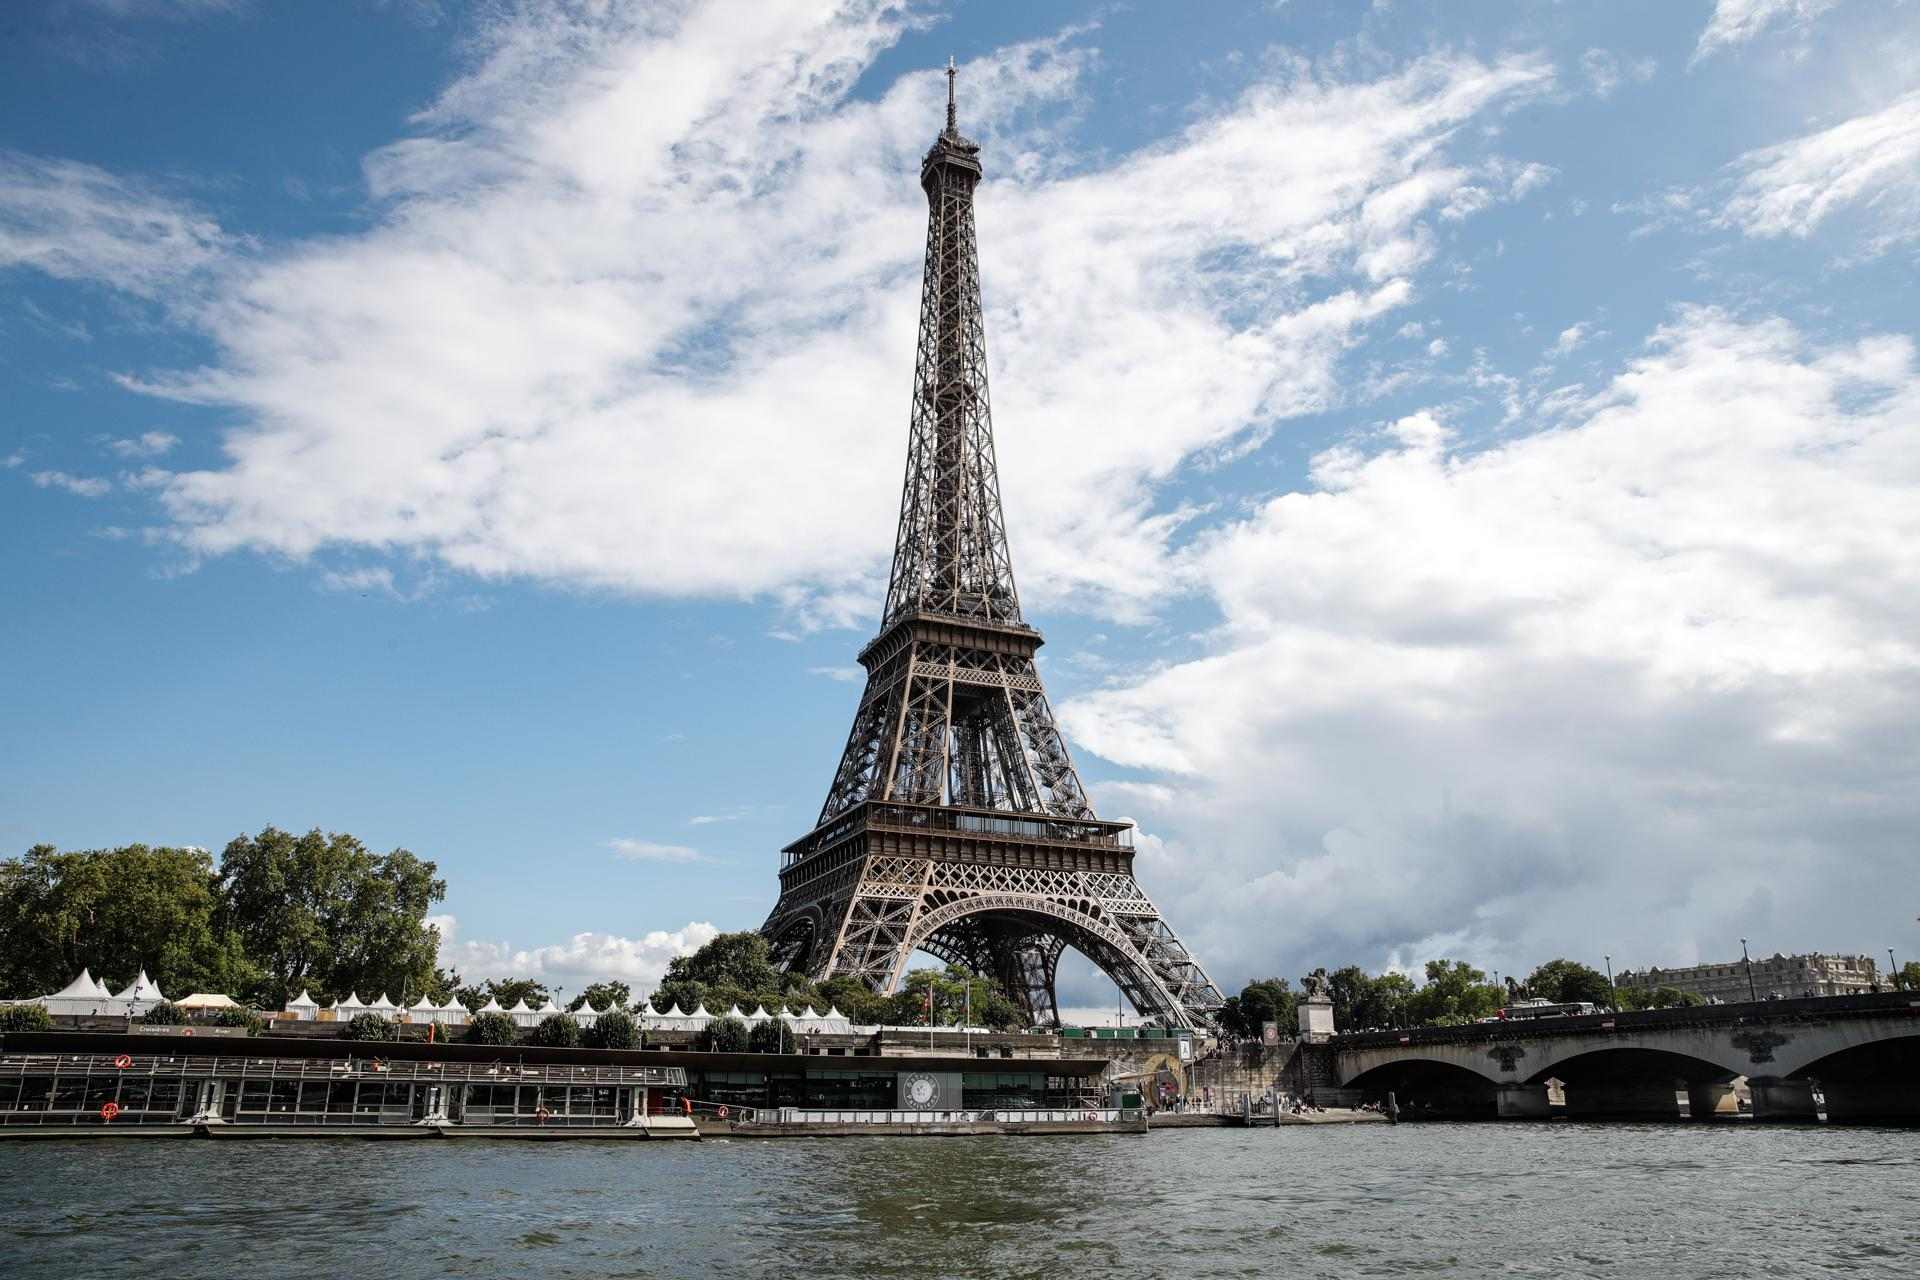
[[1463, 457]]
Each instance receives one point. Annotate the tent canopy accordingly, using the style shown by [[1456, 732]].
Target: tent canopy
[[207, 1000]]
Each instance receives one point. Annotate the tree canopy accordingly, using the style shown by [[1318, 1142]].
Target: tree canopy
[[1569, 982]]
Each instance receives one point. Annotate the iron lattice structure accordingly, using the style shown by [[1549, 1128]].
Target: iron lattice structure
[[956, 823]]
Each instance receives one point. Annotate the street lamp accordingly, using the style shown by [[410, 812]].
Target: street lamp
[[1613, 993], [1893, 972], [1752, 992]]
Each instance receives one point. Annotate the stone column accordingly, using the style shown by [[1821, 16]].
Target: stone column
[[1521, 1102], [1711, 1101], [1778, 1099]]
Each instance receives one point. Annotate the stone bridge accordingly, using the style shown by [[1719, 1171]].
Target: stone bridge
[[1858, 1057]]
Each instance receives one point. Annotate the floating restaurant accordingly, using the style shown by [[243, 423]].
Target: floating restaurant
[[61, 1083]]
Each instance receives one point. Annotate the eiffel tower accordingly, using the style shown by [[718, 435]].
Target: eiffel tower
[[956, 824]]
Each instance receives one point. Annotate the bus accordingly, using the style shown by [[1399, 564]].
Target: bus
[[1530, 1009]]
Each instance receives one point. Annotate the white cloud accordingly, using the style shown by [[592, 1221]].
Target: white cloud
[[79, 222], [79, 486], [148, 444], [1870, 164], [582, 959], [1606, 73], [628, 260], [1663, 659], [648, 851], [1571, 337], [846, 674], [1738, 21]]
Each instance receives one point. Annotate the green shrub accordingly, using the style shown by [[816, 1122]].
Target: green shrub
[[25, 1017], [492, 1028], [557, 1031], [251, 1019], [767, 1037], [164, 1014], [370, 1026], [727, 1035], [614, 1030]]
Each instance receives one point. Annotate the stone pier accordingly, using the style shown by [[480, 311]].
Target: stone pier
[[1522, 1102], [1712, 1101], [1777, 1099]]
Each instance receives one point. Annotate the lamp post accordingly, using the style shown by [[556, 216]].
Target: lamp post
[[1613, 993], [1893, 972], [1753, 992]]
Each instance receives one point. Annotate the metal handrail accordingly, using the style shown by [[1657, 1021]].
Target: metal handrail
[[252, 1068]]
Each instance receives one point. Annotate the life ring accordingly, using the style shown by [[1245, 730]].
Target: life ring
[[542, 1115], [720, 1112], [123, 1061], [687, 1103], [109, 1110], [187, 1031]]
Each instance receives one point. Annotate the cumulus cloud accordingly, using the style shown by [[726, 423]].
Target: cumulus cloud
[[148, 444], [582, 959], [79, 222], [78, 486], [649, 851], [1645, 677], [627, 263], [1869, 164], [1738, 21]]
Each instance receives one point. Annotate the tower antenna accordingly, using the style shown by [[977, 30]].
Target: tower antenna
[[951, 73]]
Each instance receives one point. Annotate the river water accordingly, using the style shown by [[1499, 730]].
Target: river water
[[1557, 1200]]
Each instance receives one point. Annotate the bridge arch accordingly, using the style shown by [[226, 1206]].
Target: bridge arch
[[1431, 1086], [1026, 934]]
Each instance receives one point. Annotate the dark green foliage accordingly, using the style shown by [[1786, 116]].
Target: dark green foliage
[[727, 1035], [1634, 998], [1260, 1002], [1569, 982], [508, 991], [492, 1028], [116, 911], [370, 1026], [1908, 977], [324, 911], [24, 1017], [164, 1014], [769, 1037], [1455, 993], [251, 1019], [991, 1006], [557, 1031], [613, 1030], [602, 995], [851, 996]]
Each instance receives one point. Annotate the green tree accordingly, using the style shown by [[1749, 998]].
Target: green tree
[[508, 991], [727, 1035], [492, 1028], [1569, 982], [1267, 1000], [1455, 993], [24, 1017], [557, 1031], [370, 1026], [116, 912], [612, 1030], [1907, 977], [1636, 997], [768, 1037], [322, 911], [164, 1014], [863, 1006], [602, 995], [991, 1006]]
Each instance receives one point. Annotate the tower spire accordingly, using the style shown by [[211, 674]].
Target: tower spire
[[952, 120]]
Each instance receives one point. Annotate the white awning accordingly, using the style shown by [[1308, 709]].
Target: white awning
[[304, 1002], [207, 1000]]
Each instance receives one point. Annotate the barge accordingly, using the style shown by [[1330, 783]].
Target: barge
[[155, 1084]]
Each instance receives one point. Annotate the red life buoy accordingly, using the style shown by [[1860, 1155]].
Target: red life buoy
[[721, 1111], [187, 1032], [543, 1115], [124, 1061], [109, 1110], [688, 1104]]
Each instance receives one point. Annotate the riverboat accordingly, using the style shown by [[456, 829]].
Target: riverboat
[[157, 1084]]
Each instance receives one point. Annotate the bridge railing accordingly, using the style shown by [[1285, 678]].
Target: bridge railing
[[1805, 1009]]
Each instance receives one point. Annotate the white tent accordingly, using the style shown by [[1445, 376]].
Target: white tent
[[348, 1009], [384, 1007], [491, 1006], [425, 1011], [524, 1014], [760, 1015], [141, 995], [304, 1009], [80, 997], [734, 1012], [205, 1001]]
